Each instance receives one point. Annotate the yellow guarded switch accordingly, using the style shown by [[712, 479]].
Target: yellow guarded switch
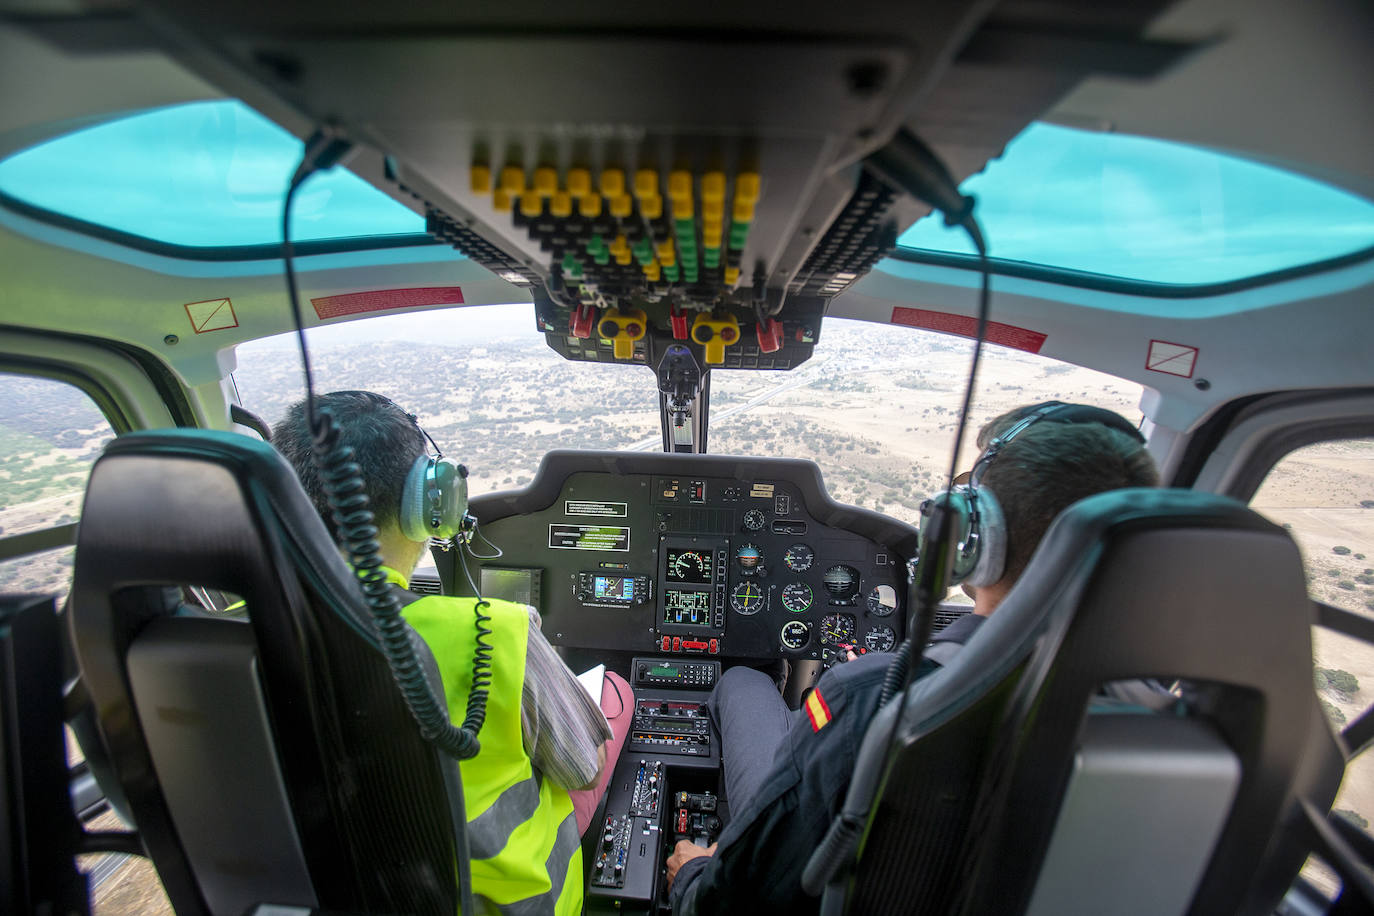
[[743, 211], [621, 206], [664, 249], [715, 334], [589, 205], [545, 180], [612, 183], [579, 182], [710, 237], [651, 206], [531, 204], [652, 271], [500, 201], [622, 329], [713, 187], [480, 178], [560, 204], [731, 276], [513, 180], [747, 186], [712, 211], [646, 183]]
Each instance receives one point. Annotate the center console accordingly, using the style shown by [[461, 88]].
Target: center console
[[664, 788]]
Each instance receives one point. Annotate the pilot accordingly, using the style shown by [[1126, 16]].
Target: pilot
[[525, 857], [785, 772]]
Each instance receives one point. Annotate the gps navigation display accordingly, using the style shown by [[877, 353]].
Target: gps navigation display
[[616, 588]]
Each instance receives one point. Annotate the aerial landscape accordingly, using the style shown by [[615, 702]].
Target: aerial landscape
[[876, 408]]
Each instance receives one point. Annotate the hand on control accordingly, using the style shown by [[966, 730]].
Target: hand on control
[[684, 852]]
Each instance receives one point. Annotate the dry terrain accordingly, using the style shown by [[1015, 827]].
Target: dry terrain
[[876, 409]]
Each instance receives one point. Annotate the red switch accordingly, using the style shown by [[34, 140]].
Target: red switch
[[769, 333]]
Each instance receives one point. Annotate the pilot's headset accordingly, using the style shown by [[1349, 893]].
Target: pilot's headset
[[981, 552], [434, 499]]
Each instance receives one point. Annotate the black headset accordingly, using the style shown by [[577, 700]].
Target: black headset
[[981, 551], [434, 499]]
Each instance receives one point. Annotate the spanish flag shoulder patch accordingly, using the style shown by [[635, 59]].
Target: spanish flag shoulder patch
[[817, 711]]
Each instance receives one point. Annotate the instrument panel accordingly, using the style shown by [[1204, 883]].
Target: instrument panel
[[695, 555]]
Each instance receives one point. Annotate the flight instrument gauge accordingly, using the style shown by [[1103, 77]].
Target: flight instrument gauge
[[842, 582], [882, 601], [796, 634], [747, 599], [839, 630], [750, 559], [880, 639], [797, 597], [754, 520], [799, 558]]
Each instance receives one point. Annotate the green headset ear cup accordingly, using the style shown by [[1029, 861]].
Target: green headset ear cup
[[990, 556], [412, 513], [434, 499], [956, 502]]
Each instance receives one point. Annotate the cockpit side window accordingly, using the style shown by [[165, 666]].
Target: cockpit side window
[[1323, 494], [50, 435]]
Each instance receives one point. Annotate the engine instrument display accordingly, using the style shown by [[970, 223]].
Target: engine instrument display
[[747, 599], [795, 634], [799, 558], [880, 639], [839, 630], [797, 597], [690, 566], [687, 608]]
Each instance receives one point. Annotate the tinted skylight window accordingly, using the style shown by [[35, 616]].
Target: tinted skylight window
[[202, 174], [1150, 210]]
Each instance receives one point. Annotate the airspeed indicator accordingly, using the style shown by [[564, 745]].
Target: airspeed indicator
[[797, 597]]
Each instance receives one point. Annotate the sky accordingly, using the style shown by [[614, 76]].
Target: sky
[[212, 173]]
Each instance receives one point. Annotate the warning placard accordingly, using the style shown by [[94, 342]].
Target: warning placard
[[588, 537], [1004, 335], [211, 315], [384, 300], [594, 507], [1171, 358]]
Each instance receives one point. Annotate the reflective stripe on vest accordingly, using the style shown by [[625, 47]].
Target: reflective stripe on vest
[[526, 854]]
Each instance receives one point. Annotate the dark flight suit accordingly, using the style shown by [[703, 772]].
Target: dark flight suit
[[775, 827]]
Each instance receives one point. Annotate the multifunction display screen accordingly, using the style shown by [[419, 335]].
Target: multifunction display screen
[[689, 566], [614, 588], [684, 608]]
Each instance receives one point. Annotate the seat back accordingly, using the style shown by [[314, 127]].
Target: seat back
[[270, 759], [1011, 790]]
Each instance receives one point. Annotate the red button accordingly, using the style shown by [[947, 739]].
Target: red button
[[715, 647], [667, 643], [677, 643]]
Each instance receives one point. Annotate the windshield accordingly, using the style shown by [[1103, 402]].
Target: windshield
[[1144, 209], [494, 396], [480, 379], [206, 174]]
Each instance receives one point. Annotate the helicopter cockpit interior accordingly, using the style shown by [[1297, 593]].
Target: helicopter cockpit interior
[[676, 197]]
